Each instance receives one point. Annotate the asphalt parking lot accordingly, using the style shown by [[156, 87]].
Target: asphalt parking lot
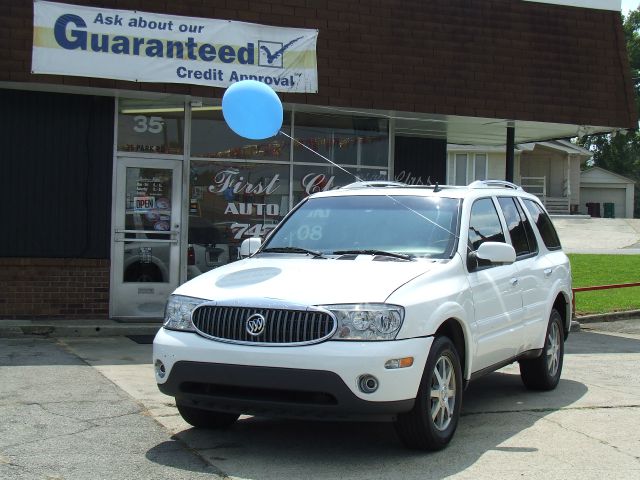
[[85, 408]]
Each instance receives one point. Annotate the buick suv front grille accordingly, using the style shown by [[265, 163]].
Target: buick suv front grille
[[263, 326]]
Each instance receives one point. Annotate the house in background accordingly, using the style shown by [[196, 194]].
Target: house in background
[[610, 194], [550, 170], [467, 163]]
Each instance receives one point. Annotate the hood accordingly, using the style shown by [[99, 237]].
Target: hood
[[306, 280]]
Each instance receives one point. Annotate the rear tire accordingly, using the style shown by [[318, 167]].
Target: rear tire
[[200, 418], [543, 373], [431, 423]]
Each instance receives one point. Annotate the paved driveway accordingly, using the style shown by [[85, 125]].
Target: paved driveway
[[588, 428], [599, 235]]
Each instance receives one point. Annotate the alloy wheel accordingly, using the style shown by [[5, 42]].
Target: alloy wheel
[[553, 349], [442, 393]]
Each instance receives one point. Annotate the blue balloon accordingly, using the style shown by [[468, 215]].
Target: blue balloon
[[252, 109]]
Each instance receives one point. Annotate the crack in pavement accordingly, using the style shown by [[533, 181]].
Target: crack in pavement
[[584, 434], [81, 420], [545, 410], [145, 411], [4, 460], [214, 468], [20, 444]]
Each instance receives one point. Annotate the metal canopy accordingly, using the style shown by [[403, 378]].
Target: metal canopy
[[490, 131], [468, 130]]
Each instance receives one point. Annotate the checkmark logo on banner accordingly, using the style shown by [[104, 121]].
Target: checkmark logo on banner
[[270, 56]]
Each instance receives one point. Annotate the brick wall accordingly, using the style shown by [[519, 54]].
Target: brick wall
[[53, 287], [485, 58]]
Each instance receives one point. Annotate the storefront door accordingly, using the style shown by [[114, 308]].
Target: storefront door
[[146, 237]]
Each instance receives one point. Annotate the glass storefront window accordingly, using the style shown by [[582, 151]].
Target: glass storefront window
[[150, 126], [308, 179], [212, 138], [229, 202], [346, 140], [238, 188]]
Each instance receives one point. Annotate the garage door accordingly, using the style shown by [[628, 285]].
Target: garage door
[[601, 195]]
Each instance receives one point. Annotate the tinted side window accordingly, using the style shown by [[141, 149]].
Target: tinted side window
[[515, 218], [543, 222], [531, 237], [484, 224]]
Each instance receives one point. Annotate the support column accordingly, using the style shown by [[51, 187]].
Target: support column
[[510, 154]]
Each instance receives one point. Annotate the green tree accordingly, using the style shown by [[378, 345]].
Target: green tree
[[620, 153], [631, 27]]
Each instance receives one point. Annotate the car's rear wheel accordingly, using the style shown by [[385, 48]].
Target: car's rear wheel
[[431, 423], [543, 373], [201, 418]]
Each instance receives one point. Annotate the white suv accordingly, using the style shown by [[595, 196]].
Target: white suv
[[374, 301]]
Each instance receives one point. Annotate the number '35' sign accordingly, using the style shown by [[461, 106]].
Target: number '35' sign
[[143, 124]]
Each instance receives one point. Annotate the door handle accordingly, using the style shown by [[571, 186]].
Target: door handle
[[514, 282], [548, 272]]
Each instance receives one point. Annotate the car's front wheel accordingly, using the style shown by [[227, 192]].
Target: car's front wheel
[[431, 423], [543, 373], [200, 418]]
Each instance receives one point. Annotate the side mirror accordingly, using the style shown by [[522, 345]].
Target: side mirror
[[496, 252], [250, 246]]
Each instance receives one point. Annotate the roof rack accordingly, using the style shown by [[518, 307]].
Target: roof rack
[[493, 184], [374, 183]]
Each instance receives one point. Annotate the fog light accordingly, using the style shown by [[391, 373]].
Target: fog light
[[367, 383], [399, 363], [160, 370]]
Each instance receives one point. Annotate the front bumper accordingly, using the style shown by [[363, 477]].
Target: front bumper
[[319, 381], [268, 391]]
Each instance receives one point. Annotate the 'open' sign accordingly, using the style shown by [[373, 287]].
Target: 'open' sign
[[144, 203]]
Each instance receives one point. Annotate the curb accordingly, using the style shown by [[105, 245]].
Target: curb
[[608, 317], [48, 330]]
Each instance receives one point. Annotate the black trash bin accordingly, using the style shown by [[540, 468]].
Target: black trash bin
[[609, 210], [593, 209]]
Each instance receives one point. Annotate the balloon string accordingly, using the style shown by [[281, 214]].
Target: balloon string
[[360, 180], [323, 157]]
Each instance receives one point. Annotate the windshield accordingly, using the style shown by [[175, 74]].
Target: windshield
[[411, 225]]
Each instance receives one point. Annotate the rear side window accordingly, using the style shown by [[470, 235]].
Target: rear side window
[[543, 222], [484, 224], [522, 237]]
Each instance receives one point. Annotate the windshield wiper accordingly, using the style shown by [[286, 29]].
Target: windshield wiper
[[313, 253], [374, 252]]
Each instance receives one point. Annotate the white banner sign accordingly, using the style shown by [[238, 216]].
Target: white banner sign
[[152, 47], [614, 5]]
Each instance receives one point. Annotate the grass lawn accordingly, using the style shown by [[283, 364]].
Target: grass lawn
[[592, 270]]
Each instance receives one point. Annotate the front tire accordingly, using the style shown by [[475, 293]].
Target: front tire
[[431, 423], [208, 419], [543, 373]]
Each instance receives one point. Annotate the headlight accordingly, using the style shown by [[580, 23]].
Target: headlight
[[177, 313], [367, 321]]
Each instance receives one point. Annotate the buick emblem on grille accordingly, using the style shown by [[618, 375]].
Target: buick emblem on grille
[[255, 324]]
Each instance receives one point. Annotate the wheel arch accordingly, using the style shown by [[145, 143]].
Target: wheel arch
[[455, 330], [562, 303]]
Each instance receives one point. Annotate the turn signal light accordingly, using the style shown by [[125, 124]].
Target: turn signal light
[[398, 363]]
